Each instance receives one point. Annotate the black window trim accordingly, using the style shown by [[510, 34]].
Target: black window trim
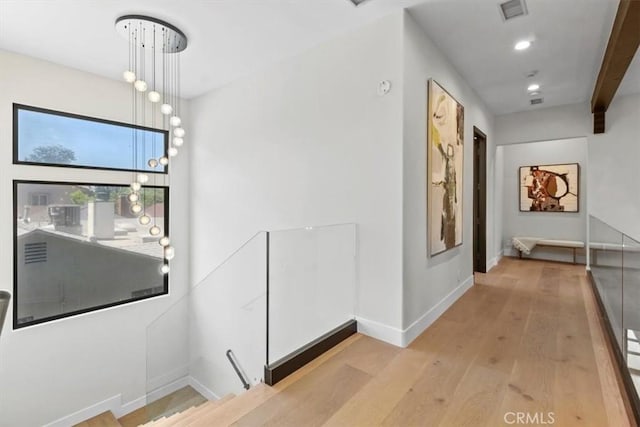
[[16, 161], [17, 326]]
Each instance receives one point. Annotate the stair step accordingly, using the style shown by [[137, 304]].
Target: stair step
[[236, 408], [185, 419], [178, 401], [106, 419]]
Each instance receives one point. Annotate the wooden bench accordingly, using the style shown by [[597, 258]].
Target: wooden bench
[[527, 244]]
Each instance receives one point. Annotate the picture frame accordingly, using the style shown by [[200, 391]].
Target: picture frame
[[549, 188], [445, 167]]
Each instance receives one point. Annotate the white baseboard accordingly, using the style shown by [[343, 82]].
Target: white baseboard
[[158, 393], [494, 261], [202, 389], [419, 326], [402, 338], [115, 405], [89, 412], [380, 331]]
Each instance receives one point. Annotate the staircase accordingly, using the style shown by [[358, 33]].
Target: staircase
[[221, 412]]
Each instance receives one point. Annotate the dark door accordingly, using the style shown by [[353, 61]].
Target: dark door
[[479, 201]]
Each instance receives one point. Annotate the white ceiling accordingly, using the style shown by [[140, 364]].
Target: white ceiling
[[569, 40], [231, 38], [227, 38]]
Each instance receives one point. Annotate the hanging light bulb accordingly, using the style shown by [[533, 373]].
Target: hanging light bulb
[[155, 230], [164, 241], [144, 219], [136, 208], [169, 252], [143, 178], [152, 163], [129, 76], [164, 269], [133, 197], [136, 186], [140, 85], [172, 151], [154, 96], [177, 142], [175, 121], [164, 161], [179, 132], [166, 109]]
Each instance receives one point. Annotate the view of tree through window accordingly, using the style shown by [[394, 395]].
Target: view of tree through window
[[55, 138], [83, 249], [78, 246]]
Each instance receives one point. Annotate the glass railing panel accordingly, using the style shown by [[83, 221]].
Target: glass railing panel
[[312, 285], [228, 312], [187, 345], [631, 304], [167, 361], [605, 246]]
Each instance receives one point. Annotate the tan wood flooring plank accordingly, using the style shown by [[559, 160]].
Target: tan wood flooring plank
[[179, 400], [236, 408], [106, 419], [182, 420], [306, 369], [308, 402]]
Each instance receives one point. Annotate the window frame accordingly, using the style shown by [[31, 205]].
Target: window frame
[[16, 143], [165, 277]]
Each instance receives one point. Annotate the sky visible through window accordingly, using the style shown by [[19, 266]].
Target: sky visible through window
[[93, 144]]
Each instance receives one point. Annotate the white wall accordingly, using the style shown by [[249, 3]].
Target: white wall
[[308, 142], [614, 167], [428, 281], [613, 157], [49, 371], [551, 225]]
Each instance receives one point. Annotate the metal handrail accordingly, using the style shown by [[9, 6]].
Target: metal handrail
[[236, 367], [5, 297]]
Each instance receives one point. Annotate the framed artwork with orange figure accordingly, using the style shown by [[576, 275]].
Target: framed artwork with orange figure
[[550, 188]]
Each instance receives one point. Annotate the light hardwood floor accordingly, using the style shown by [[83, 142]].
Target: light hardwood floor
[[525, 339], [524, 346]]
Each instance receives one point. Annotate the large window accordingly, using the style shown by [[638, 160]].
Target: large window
[[46, 137], [77, 245]]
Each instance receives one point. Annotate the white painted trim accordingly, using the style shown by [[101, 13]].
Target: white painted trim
[[115, 405], [419, 326], [402, 338], [202, 389], [380, 331], [151, 397], [89, 412], [495, 260]]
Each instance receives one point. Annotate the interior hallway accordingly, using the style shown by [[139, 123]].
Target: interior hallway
[[526, 338]]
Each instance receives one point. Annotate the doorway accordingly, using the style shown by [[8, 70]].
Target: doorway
[[479, 201]]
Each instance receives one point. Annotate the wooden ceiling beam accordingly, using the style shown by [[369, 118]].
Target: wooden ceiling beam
[[623, 44]]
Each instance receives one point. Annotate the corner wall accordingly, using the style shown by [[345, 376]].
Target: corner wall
[[612, 157], [550, 225], [432, 284], [51, 370], [307, 143]]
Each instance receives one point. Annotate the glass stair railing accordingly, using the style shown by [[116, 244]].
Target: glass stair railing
[[278, 292], [614, 263]]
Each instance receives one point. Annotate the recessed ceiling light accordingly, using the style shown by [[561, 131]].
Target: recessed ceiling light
[[522, 45], [533, 87], [534, 93]]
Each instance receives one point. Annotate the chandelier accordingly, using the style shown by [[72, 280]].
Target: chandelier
[[154, 75]]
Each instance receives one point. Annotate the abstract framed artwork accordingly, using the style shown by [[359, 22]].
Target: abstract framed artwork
[[445, 161], [550, 188]]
